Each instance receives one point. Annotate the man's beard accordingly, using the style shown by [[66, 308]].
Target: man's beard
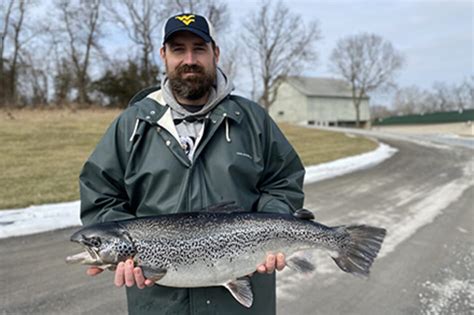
[[193, 87]]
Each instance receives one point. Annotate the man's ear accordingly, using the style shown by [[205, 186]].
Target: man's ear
[[162, 53], [217, 53]]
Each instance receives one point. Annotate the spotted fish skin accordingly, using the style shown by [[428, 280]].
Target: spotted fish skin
[[222, 246], [214, 248]]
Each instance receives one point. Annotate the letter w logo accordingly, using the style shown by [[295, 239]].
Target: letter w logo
[[186, 19]]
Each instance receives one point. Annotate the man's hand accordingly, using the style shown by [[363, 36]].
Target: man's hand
[[94, 271], [126, 274], [271, 263]]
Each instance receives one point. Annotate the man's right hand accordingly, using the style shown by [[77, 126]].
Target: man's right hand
[[126, 274]]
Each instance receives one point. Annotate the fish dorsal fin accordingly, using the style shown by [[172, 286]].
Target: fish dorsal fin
[[225, 206], [241, 290], [300, 263], [304, 214]]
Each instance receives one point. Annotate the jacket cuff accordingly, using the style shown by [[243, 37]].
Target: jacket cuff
[[268, 203]]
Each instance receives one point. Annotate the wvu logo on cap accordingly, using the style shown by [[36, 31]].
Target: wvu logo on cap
[[186, 19]]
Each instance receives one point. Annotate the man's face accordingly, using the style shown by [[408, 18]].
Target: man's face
[[190, 65]]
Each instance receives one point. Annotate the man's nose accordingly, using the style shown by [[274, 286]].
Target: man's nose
[[189, 58]]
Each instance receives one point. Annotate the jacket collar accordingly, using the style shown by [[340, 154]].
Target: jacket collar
[[227, 109], [152, 108]]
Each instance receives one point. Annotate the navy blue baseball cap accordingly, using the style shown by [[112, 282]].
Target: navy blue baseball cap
[[193, 23]]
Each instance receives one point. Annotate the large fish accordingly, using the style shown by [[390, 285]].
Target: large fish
[[220, 248]]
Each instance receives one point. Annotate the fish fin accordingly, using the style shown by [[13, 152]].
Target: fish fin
[[362, 246], [154, 274], [225, 206], [304, 214], [241, 290], [300, 263]]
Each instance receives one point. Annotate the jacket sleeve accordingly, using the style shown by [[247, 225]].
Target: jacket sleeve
[[101, 182], [281, 185]]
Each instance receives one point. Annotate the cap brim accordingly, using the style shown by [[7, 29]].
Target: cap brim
[[203, 35]]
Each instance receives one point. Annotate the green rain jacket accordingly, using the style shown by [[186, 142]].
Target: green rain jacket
[[140, 169]]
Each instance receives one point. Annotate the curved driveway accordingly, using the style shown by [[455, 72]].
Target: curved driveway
[[423, 195]]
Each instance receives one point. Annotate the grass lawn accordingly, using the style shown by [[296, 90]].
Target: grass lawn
[[43, 151], [320, 146]]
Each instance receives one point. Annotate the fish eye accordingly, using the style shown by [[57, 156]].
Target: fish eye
[[95, 241]]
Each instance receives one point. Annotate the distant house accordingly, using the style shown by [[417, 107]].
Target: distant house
[[318, 101]]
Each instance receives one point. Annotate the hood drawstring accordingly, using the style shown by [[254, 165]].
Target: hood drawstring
[[134, 130], [227, 129]]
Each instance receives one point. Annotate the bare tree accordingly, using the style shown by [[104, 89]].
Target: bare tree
[[81, 25], [6, 21], [278, 45], [367, 62], [63, 80], [23, 59], [464, 94], [453, 96], [380, 111], [411, 100], [13, 30], [17, 29], [34, 85], [229, 57], [441, 97], [253, 68], [142, 21]]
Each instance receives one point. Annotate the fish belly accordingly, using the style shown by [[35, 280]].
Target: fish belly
[[204, 272]]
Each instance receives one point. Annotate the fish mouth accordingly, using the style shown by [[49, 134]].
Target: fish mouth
[[87, 257], [80, 258]]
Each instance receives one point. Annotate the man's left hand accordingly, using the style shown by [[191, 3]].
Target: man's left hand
[[272, 262]]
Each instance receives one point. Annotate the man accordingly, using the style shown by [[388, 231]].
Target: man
[[186, 146]]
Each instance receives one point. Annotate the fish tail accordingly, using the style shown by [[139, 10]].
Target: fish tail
[[360, 246]]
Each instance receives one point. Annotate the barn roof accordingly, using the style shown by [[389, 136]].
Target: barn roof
[[329, 87]]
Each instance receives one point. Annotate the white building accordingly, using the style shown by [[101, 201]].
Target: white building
[[318, 101]]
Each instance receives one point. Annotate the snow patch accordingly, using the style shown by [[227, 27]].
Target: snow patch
[[462, 230], [36, 219], [347, 165], [448, 297]]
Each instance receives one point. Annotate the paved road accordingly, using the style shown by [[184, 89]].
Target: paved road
[[423, 196]]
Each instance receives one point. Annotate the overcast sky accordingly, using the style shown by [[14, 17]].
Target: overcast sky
[[436, 37]]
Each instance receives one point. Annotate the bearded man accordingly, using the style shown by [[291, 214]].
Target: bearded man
[[184, 147]]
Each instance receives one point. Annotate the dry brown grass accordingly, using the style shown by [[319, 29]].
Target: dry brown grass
[[318, 146], [43, 151]]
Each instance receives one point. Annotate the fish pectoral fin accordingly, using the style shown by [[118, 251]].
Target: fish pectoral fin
[[107, 267], [241, 290], [154, 274], [300, 263]]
